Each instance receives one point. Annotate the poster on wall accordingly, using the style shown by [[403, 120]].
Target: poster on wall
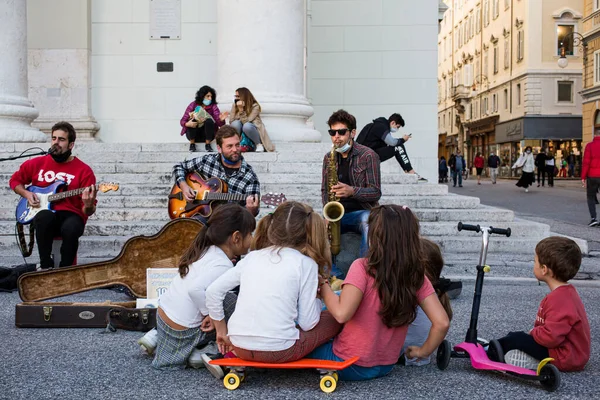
[[165, 19]]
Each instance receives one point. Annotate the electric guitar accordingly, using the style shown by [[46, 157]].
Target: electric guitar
[[207, 192], [46, 195]]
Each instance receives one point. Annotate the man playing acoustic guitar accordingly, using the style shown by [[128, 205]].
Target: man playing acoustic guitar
[[68, 216], [227, 165]]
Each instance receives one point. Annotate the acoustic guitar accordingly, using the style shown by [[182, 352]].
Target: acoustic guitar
[[46, 195], [206, 193]]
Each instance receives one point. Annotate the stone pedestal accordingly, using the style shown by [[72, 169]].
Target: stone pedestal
[[261, 45], [16, 111]]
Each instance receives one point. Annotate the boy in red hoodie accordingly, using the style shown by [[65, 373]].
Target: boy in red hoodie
[[590, 175], [561, 330]]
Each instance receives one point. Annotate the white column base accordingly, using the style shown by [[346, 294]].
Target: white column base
[[16, 115], [285, 117]]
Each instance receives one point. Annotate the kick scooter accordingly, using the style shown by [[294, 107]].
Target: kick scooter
[[547, 374]]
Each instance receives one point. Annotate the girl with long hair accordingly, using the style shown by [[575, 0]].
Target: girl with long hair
[[418, 330], [245, 117], [202, 118], [379, 299], [278, 316], [182, 319]]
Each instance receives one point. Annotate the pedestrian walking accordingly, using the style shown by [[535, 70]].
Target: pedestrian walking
[[443, 170], [540, 163], [526, 162], [550, 166], [459, 165], [590, 175], [571, 162], [493, 164], [479, 163], [451, 164]]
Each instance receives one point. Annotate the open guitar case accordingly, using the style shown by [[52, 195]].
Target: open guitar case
[[128, 270]]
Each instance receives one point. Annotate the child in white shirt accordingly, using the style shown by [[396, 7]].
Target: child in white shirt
[[182, 318], [278, 316]]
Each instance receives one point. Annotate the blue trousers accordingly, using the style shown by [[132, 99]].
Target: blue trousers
[[353, 372], [357, 222]]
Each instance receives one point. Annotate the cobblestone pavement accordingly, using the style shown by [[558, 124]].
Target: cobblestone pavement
[[85, 364]]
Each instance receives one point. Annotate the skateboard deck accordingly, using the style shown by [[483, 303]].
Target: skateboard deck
[[326, 368], [305, 363]]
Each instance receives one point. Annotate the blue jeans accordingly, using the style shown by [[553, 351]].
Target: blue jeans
[[357, 222], [457, 174], [353, 372], [248, 128]]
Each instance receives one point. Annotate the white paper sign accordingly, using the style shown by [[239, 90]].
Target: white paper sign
[[158, 281], [165, 19]]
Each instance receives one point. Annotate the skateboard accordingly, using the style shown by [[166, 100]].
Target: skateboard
[[326, 368]]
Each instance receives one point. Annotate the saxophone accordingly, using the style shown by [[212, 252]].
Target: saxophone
[[333, 211]]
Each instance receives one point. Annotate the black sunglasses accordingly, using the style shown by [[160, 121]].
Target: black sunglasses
[[340, 132]]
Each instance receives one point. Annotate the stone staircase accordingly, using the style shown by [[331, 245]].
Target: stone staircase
[[144, 174]]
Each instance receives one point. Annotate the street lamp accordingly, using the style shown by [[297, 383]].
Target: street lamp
[[578, 41]]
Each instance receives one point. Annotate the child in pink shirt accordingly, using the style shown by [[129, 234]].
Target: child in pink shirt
[[379, 299]]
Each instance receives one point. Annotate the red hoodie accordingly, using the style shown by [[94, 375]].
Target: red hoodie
[[562, 327], [591, 160]]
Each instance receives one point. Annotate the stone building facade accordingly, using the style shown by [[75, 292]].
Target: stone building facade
[[500, 87]]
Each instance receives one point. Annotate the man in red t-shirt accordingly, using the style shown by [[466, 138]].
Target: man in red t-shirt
[[69, 215]]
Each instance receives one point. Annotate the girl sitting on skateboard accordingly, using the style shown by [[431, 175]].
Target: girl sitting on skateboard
[[182, 322], [418, 330], [379, 299], [278, 317]]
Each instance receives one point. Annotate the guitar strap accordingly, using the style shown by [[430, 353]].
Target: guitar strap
[[25, 250]]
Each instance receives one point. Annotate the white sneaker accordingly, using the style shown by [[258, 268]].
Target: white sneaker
[[259, 148], [195, 360], [214, 370], [526, 190], [149, 341], [521, 359]]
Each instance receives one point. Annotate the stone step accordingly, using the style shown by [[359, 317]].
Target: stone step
[[141, 226], [148, 178], [110, 246]]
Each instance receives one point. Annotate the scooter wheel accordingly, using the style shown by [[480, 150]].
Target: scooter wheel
[[443, 355], [550, 377]]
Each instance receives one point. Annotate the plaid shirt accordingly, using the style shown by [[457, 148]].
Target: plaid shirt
[[242, 181], [365, 176]]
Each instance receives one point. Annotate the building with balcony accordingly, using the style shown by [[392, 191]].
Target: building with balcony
[[500, 87]]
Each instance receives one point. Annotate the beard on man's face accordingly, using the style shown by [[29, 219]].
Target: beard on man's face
[[233, 156]]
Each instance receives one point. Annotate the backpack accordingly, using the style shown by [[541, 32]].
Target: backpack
[[10, 276]]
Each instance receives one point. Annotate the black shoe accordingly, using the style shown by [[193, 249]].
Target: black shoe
[[538, 185], [208, 148], [453, 185], [459, 185], [593, 222], [495, 352], [192, 147]]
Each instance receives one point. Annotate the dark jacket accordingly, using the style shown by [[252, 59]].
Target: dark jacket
[[540, 160], [372, 134], [493, 161]]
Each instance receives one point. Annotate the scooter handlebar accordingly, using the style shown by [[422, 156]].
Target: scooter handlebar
[[466, 227], [500, 231]]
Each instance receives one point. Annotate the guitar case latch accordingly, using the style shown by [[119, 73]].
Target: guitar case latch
[[47, 313]]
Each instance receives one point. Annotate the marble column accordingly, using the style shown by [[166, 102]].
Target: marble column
[[261, 45], [16, 111]]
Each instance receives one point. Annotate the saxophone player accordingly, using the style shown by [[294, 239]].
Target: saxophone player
[[358, 186]]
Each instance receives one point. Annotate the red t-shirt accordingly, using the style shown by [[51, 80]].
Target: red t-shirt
[[43, 171], [365, 335], [561, 325]]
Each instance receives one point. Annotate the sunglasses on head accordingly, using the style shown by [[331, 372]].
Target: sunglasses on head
[[341, 132]]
